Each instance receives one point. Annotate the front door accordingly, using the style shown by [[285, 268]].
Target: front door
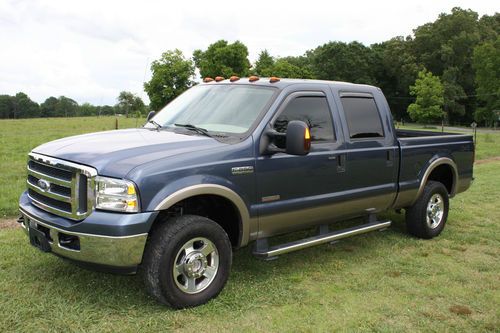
[[295, 191]]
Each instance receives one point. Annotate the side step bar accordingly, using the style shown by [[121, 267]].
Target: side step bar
[[264, 251]]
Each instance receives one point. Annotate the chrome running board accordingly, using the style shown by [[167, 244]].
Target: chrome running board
[[263, 250]]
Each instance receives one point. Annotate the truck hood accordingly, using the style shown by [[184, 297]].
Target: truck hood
[[115, 153]]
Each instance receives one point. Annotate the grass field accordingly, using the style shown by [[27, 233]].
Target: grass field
[[18, 137], [383, 281]]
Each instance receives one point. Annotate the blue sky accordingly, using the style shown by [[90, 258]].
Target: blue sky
[[91, 50]]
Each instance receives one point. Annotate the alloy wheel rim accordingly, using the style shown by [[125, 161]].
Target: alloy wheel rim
[[435, 211], [196, 265]]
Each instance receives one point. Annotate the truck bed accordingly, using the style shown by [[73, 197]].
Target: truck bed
[[420, 148]]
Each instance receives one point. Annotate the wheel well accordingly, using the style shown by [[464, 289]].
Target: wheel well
[[217, 208], [443, 174]]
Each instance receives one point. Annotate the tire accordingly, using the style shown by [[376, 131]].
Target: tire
[[427, 217], [186, 261]]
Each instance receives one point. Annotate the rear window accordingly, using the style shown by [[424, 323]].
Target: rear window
[[363, 118]]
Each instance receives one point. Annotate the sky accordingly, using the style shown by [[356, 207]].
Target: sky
[[91, 50]]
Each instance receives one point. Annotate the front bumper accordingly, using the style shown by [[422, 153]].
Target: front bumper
[[118, 240]]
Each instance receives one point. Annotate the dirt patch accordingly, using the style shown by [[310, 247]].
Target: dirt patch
[[394, 274], [487, 160], [8, 224], [460, 310]]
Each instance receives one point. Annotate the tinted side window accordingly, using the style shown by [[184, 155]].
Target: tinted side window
[[363, 118], [314, 111]]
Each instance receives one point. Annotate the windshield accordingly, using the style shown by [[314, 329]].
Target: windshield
[[224, 108]]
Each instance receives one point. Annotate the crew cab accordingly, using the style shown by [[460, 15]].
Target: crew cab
[[234, 162]]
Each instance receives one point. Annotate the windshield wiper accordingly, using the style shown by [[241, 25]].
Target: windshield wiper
[[196, 129], [157, 126]]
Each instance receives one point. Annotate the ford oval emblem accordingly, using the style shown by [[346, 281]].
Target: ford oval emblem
[[43, 185]]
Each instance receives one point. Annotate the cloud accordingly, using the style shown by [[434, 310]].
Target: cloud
[[91, 50]]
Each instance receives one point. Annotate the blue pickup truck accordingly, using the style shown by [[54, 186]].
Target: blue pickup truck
[[231, 162]]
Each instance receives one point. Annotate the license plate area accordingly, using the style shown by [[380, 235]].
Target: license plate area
[[38, 238]]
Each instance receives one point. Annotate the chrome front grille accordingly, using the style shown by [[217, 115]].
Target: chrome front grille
[[60, 187]]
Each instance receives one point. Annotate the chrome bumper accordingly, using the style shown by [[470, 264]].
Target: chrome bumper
[[124, 251]]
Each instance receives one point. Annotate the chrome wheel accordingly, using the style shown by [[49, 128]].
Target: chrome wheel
[[196, 265], [435, 210]]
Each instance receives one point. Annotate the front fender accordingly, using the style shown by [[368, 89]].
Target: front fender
[[195, 185]]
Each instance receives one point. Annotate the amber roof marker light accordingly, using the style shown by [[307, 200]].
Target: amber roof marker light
[[274, 79], [234, 78], [219, 78], [207, 79], [253, 78]]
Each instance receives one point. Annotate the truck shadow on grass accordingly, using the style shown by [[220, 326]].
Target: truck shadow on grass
[[263, 282]]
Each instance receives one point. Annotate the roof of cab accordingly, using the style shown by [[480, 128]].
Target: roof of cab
[[282, 83]]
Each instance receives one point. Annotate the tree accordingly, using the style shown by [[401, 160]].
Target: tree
[[395, 69], [223, 59], [282, 68], [24, 107], [87, 109], [289, 67], [6, 106], [263, 64], [66, 107], [489, 27], [303, 62], [339, 61], [106, 110], [453, 93], [448, 43], [486, 63], [138, 105], [172, 74], [48, 108], [129, 103], [428, 91]]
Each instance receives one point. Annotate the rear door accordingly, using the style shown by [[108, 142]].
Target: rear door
[[371, 148]]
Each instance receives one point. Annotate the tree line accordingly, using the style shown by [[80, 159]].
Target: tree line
[[446, 70], [21, 106]]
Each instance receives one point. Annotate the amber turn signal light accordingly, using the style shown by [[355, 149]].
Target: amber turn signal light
[[307, 139], [274, 79], [207, 79], [219, 78]]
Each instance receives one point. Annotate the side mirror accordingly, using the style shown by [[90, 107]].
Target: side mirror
[[151, 114], [298, 138]]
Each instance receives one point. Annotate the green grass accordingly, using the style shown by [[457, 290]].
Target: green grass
[[18, 137], [382, 281]]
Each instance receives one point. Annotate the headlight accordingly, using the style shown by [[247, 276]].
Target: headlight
[[116, 194]]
